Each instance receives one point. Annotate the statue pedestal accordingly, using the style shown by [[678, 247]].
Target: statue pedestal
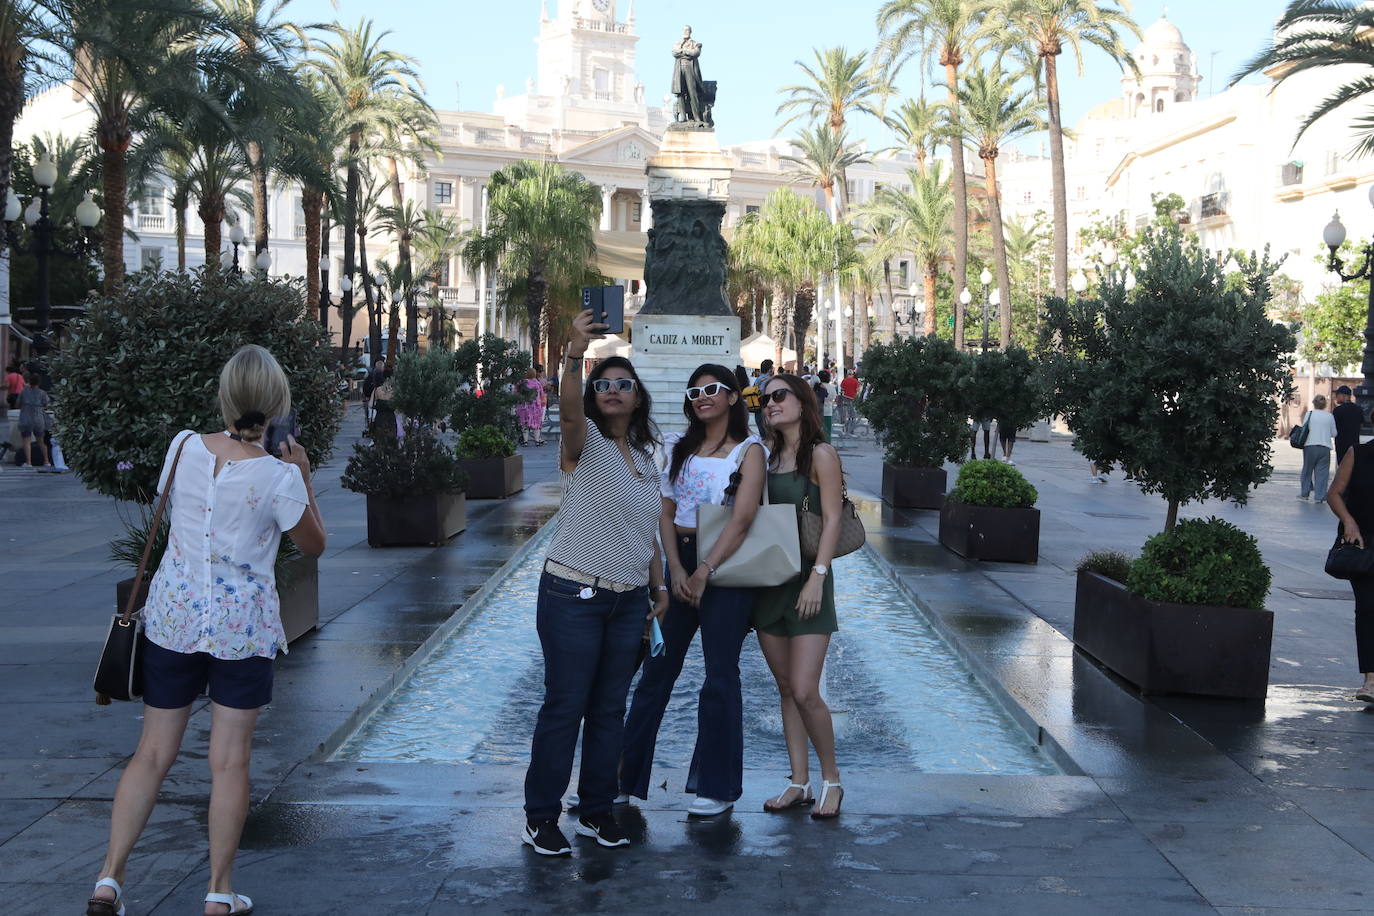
[[666, 350]]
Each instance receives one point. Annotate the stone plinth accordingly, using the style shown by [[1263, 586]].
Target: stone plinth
[[684, 261], [668, 347]]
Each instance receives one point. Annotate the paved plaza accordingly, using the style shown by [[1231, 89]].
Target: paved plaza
[[1166, 805]]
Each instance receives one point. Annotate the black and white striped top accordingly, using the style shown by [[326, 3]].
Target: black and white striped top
[[608, 525]]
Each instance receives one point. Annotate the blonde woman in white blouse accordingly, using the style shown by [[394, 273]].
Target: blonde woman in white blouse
[[1316, 452], [212, 622]]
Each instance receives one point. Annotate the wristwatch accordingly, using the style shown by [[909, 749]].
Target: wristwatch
[[711, 569], [660, 588], [820, 569]]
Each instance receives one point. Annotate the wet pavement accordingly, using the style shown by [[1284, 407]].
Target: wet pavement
[[1168, 804]]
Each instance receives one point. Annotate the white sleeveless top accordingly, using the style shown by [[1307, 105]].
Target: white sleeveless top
[[700, 480]]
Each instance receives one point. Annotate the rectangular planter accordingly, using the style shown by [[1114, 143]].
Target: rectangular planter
[[914, 488], [494, 478], [988, 533], [429, 520], [298, 592], [1163, 647]]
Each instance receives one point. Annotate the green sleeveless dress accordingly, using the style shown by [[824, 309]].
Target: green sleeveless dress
[[775, 609]]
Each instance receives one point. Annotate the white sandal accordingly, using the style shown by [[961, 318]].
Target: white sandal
[[826, 786], [806, 798], [232, 901], [97, 906]]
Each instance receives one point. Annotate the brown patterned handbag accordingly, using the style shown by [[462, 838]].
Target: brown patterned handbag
[[809, 525]]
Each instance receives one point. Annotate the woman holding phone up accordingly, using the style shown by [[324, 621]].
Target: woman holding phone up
[[601, 572], [794, 620], [715, 459]]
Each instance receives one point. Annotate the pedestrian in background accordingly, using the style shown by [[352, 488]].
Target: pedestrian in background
[[530, 411], [230, 503], [760, 380], [1352, 500], [1349, 419], [1316, 453], [1006, 435], [14, 385], [33, 420], [826, 395]]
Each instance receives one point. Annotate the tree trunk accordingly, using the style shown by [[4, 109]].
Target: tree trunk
[[374, 317], [999, 249], [535, 296], [803, 307], [403, 254], [258, 173], [1172, 518], [932, 274], [959, 184], [1057, 180], [865, 327], [113, 162], [180, 209], [350, 223], [211, 213], [325, 230], [311, 201], [393, 327], [777, 325]]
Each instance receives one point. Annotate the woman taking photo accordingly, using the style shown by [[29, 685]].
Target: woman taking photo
[[715, 459], [594, 593], [794, 620], [1351, 497], [230, 502]]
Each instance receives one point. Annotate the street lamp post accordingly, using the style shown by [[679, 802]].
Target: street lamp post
[[42, 244], [985, 278], [324, 292], [1334, 236], [236, 239], [965, 297]]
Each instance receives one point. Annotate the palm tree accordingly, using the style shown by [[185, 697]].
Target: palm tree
[[824, 158], [364, 78], [404, 221], [437, 241], [1315, 35], [1043, 28], [919, 125], [18, 27], [943, 31], [540, 228], [308, 147], [995, 113], [410, 120], [1025, 252], [921, 219]]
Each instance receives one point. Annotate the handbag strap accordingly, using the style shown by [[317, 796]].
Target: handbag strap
[[740, 451], [152, 533]]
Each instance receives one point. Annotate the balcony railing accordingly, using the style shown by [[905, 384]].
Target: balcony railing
[[156, 221], [449, 294]]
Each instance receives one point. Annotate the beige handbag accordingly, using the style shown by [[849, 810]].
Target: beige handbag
[[770, 553]]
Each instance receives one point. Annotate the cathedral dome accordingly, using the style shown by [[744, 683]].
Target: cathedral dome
[[1162, 35]]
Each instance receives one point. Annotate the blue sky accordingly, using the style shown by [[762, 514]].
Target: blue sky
[[466, 48]]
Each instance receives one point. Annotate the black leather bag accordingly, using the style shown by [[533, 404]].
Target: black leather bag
[[1346, 561], [119, 673]]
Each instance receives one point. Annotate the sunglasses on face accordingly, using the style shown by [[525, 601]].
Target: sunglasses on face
[[778, 395], [620, 385], [707, 391]]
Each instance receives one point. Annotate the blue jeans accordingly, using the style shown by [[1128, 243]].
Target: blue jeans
[[1316, 468], [717, 769], [591, 646]]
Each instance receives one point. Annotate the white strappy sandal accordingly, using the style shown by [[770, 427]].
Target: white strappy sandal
[[806, 798], [232, 901], [826, 786], [99, 907]]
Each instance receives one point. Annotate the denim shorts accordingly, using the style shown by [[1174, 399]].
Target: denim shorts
[[172, 680]]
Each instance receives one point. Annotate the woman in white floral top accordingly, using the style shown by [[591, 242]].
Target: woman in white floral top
[[212, 622]]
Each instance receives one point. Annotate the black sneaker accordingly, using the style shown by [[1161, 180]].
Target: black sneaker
[[602, 828], [546, 839]]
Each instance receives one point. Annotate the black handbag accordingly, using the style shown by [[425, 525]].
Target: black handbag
[[119, 673], [1297, 436], [1346, 561]]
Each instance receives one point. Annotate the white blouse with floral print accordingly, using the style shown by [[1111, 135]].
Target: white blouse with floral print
[[215, 590], [700, 480]]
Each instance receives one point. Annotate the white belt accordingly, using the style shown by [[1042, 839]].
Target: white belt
[[555, 568]]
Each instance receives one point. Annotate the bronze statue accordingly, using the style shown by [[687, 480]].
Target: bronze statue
[[695, 98]]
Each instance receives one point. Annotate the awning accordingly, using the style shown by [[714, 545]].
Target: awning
[[620, 255], [610, 345], [758, 347]]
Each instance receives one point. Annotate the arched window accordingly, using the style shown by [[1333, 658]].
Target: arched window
[[1159, 105], [1180, 96]]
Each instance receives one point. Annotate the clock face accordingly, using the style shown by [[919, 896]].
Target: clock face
[[602, 5]]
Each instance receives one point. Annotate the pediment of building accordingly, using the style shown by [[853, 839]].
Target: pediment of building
[[625, 146]]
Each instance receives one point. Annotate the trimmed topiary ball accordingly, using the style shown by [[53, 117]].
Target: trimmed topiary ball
[[144, 363], [995, 484], [1201, 561]]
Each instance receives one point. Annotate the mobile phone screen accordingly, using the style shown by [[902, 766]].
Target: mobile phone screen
[[277, 431]]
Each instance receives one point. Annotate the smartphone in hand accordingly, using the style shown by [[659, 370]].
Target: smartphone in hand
[[608, 307], [277, 431]]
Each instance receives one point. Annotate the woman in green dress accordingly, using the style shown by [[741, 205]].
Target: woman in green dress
[[794, 620]]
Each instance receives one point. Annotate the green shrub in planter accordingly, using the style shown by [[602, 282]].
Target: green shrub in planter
[[1201, 562], [424, 385], [993, 483], [500, 365], [485, 442], [144, 363], [917, 402], [1113, 564], [417, 464]]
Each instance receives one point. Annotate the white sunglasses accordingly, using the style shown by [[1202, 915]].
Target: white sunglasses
[[707, 391], [620, 385]]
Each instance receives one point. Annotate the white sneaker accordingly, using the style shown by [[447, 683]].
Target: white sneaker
[[708, 807]]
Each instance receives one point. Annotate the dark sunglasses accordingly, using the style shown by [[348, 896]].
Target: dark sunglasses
[[778, 395], [709, 390], [621, 385]]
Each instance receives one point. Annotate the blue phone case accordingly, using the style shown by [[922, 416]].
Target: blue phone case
[[655, 638]]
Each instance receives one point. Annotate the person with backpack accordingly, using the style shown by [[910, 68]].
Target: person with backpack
[[826, 395], [750, 393], [760, 380]]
